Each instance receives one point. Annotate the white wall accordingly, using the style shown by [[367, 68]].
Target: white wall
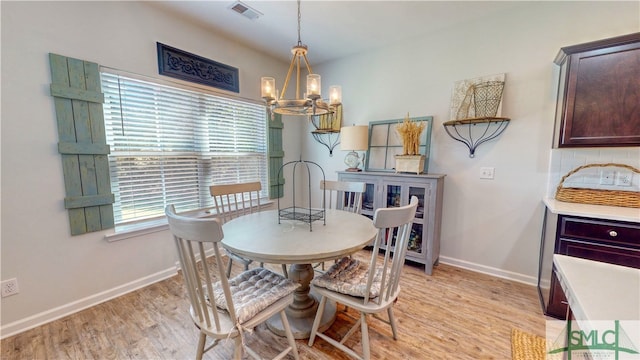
[[488, 225], [58, 273]]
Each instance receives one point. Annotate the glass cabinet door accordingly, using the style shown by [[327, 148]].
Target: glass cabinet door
[[415, 239], [418, 192], [368, 200], [394, 196]]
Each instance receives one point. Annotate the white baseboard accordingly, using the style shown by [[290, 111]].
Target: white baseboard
[[73, 307], [521, 278]]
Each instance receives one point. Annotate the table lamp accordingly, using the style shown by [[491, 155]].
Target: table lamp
[[352, 139]]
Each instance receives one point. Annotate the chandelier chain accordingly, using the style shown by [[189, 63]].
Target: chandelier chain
[[299, 18]]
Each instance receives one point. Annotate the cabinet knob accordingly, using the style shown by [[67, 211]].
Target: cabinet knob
[[613, 233]]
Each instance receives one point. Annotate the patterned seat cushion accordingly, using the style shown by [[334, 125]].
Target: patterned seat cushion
[[349, 276], [253, 291]]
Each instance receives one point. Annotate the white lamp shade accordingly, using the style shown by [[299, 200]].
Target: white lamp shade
[[354, 137]]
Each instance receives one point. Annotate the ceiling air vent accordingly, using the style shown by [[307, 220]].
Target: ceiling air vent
[[245, 10]]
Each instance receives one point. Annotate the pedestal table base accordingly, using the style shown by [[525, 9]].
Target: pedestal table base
[[305, 305]]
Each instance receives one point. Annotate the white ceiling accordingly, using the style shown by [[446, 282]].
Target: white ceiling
[[331, 29]]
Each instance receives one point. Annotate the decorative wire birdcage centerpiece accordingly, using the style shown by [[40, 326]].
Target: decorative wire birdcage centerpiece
[[411, 160], [298, 213]]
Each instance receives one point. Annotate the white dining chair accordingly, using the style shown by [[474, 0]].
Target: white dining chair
[[226, 308], [370, 288], [233, 200], [341, 195]]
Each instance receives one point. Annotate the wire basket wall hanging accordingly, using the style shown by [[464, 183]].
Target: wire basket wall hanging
[[477, 104]]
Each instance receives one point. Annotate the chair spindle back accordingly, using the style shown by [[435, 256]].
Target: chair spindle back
[[190, 236], [394, 228], [347, 194], [233, 200]]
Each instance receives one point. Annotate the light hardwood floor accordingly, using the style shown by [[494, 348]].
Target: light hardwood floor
[[453, 314]]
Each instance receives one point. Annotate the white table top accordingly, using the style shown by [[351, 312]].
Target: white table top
[[597, 290], [258, 236]]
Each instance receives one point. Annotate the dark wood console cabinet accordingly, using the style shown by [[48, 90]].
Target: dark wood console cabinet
[[599, 93], [609, 241]]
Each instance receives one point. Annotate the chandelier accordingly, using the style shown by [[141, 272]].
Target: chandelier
[[311, 103]]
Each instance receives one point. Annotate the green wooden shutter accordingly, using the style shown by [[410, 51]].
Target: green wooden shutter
[[75, 86], [276, 156]]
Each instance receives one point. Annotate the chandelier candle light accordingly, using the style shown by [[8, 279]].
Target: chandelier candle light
[[311, 103], [354, 138]]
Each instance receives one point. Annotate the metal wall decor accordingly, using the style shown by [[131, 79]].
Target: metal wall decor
[[190, 67], [327, 128], [476, 106]]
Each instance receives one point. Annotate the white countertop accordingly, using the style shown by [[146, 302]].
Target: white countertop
[[597, 290], [618, 213]]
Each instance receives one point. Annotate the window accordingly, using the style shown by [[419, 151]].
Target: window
[[385, 143], [169, 143]]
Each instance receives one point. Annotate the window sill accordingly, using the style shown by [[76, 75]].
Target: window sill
[[157, 225], [131, 231]]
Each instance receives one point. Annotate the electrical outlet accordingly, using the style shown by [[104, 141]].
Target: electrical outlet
[[606, 177], [623, 178], [9, 287], [486, 173]]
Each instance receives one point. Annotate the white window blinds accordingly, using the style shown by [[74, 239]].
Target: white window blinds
[[169, 144]]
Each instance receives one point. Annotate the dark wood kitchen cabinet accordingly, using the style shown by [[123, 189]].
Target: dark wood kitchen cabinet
[[610, 241], [599, 93]]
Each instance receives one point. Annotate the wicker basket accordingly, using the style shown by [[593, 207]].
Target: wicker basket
[[597, 196]]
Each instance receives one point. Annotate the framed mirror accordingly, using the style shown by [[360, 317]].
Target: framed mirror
[[385, 143]]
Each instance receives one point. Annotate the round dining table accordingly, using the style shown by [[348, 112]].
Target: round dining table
[[262, 237]]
